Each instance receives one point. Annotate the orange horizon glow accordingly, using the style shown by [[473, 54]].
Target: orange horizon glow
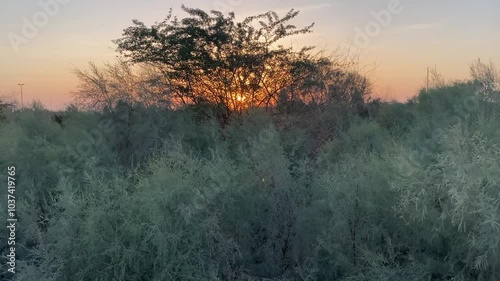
[[446, 35]]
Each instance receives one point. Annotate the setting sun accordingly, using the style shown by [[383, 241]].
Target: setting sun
[[240, 98]]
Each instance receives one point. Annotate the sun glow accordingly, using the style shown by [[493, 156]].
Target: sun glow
[[240, 98]]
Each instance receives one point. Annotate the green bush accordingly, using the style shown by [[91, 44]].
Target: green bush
[[409, 192]]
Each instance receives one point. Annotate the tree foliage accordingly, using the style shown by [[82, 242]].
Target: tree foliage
[[211, 58], [101, 88]]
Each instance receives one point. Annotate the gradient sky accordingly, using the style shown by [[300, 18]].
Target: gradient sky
[[448, 34]]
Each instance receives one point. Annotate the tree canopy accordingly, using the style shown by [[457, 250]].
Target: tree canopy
[[210, 58]]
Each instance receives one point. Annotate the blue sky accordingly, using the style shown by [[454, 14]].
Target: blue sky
[[446, 34]]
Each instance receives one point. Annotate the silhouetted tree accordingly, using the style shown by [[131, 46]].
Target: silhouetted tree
[[103, 87], [350, 88], [209, 58]]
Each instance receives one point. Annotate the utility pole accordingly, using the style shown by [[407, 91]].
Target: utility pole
[[22, 102]]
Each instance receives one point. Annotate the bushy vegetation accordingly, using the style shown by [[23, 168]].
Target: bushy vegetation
[[410, 192], [345, 188]]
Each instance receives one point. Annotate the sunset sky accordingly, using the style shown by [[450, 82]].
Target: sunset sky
[[41, 41]]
